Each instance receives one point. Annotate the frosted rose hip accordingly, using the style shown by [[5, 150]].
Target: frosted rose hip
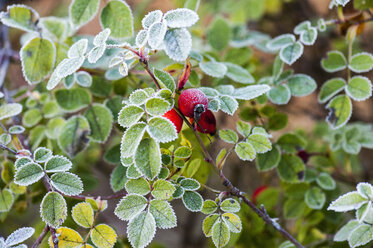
[[192, 103], [174, 117]]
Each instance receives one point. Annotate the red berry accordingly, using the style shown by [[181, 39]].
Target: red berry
[[175, 118], [192, 103], [206, 123], [258, 191]]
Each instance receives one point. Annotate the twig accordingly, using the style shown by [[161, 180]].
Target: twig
[[41, 237], [108, 197], [8, 149], [54, 237]]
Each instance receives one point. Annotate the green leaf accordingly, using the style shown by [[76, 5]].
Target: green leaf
[[365, 189], [162, 129], [130, 115], [53, 209], [192, 4], [67, 238], [208, 224], [260, 143], [138, 186], [214, 69], [308, 36], [209, 207], [190, 184], [141, 229], [73, 100], [28, 174], [228, 136], [279, 94], [100, 122], [315, 198], [335, 61], [19, 236], [151, 17], [31, 117], [82, 214], [162, 189], [250, 92], [21, 17], [130, 206], [83, 11], [163, 214], [345, 231], [233, 222], [218, 35], [157, 106], [245, 151], [361, 62], [230, 206], [6, 200], [21, 161], [5, 139], [359, 88], [9, 110], [228, 104], [291, 142], [148, 158], [156, 34], [289, 168], [54, 127], [73, 137], [51, 109], [84, 79], [131, 140], [269, 160], [16, 129], [325, 181], [350, 201], [331, 88], [238, 74], [220, 233], [291, 53], [57, 164], [67, 183], [178, 43], [42, 154], [294, 208], [280, 41], [361, 235], [37, 56], [192, 201], [103, 236], [55, 27], [183, 152], [340, 110], [301, 85], [165, 80], [243, 128], [181, 18], [118, 178], [117, 16]]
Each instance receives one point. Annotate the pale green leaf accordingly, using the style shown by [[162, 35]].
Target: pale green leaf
[[331, 88], [138, 186], [181, 18], [178, 43], [361, 235], [6, 200], [315, 198], [359, 88], [340, 110], [82, 214], [163, 214], [53, 209], [148, 158], [131, 139], [42, 154], [83, 11], [361, 62], [103, 236], [100, 122], [214, 69], [73, 100], [57, 164], [20, 16], [67, 183], [9, 110], [156, 106], [350, 201], [220, 233], [245, 151], [130, 206], [28, 174], [192, 201], [291, 52], [165, 80], [230, 206], [162, 129], [335, 61], [301, 85], [141, 230]]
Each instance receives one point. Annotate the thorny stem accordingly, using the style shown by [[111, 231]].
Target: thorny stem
[[41, 237]]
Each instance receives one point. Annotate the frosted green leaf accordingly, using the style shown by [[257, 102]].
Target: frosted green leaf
[[350, 201], [28, 174], [82, 214], [165, 80], [359, 88], [280, 41], [57, 164], [141, 230], [73, 137], [157, 106], [130, 115], [178, 43], [37, 56], [103, 236], [214, 105], [230, 206], [208, 223], [209, 207], [189, 184], [363, 214], [141, 38], [162, 129], [260, 143], [345, 231], [325, 181], [130, 206], [228, 104], [243, 128], [287, 244], [290, 142], [131, 139], [192, 4], [118, 178], [238, 74], [31, 117], [183, 152], [78, 49], [64, 69], [294, 208], [245, 151], [340, 110], [250, 92], [321, 25], [53, 209], [163, 214], [54, 27], [150, 18], [291, 52], [228, 136], [101, 38], [219, 34], [16, 129], [365, 189], [54, 80], [83, 11], [341, 2], [148, 158], [10, 109], [156, 34], [361, 235], [138, 186], [20, 16], [214, 69], [302, 27], [162, 189], [100, 122], [117, 16], [67, 183], [220, 234], [331, 88], [5, 139], [42, 154], [361, 62], [50, 109], [164, 173], [73, 100], [138, 97], [192, 201], [315, 198], [84, 79], [181, 18], [233, 222], [6, 200], [19, 236], [335, 61], [132, 172], [309, 36], [68, 238], [179, 192], [289, 168], [301, 85], [21, 161]]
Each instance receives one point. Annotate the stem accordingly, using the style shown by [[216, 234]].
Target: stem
[[8, 149], [41, 237], [83, 197], [145, 64], [54, 237]]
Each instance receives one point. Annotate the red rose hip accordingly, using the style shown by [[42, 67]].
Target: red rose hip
[[192, 103], [206, 123], [175, 118]]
